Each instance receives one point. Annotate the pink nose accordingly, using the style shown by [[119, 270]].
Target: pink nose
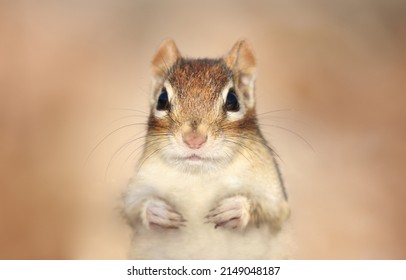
[[194, 140]]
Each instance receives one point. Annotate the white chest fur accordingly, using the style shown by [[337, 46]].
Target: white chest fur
[[194, 195]]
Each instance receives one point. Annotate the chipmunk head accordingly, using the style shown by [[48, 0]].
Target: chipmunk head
[[202, 110]]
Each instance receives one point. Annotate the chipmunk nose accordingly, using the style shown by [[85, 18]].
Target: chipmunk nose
[[194, 140]]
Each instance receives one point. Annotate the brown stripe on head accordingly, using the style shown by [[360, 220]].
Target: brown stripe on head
[[197, 86]]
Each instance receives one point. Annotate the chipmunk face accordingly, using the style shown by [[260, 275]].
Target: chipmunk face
[[202, 110]]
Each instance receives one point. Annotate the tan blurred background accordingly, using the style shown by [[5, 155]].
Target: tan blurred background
[[64, 66]]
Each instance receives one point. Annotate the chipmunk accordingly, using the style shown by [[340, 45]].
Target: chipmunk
[[207, 185]]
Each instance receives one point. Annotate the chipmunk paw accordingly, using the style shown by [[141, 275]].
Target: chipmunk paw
[[157, 214], [231, 213]]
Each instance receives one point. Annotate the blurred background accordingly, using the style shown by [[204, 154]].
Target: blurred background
[[333, 72]]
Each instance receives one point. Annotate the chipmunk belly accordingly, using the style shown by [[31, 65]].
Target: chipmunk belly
[[193, 195]]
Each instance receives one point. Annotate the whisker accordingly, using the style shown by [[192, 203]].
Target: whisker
[[261, 142], [151, 154], [276, 111], [283, 118], [118, 151], [126, 117], [107, 136], [127, 109], [292, 132], [239, 144], [132, 153], [145, 146]]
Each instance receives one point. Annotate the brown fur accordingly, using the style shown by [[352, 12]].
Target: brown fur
[[197, 86]]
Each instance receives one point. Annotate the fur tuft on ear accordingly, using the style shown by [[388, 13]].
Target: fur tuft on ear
[[241, 60], [164, 59]]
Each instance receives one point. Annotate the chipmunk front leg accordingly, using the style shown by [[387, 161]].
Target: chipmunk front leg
[[231, 213], [141, 208], [156, 213], [238, 211]]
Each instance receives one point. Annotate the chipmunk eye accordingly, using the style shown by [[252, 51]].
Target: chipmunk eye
[[232, 104], [163, 101]]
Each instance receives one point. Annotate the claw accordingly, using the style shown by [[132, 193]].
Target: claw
[[232, 213], [158, 214]]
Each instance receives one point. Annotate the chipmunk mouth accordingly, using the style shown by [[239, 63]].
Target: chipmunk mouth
[[195, 162], [194, 158]]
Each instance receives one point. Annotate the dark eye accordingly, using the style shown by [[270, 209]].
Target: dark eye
[[163, 101], [232, 104]]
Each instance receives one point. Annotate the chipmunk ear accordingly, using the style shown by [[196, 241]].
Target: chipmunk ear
[[241, 60], [164, 59]]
